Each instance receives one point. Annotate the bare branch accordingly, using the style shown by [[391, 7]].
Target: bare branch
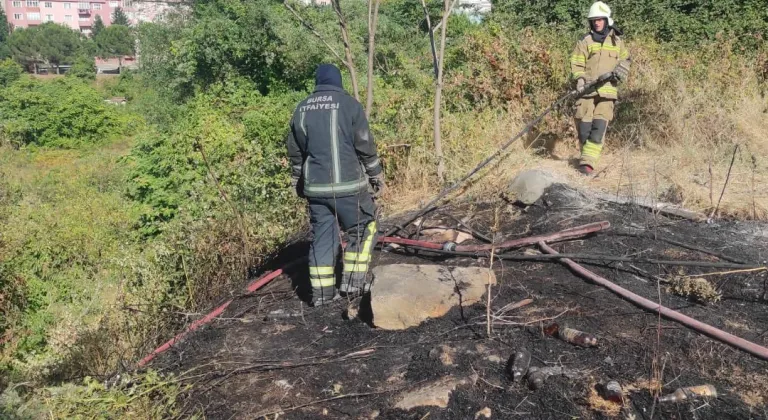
[[349, 62], [373, 19], [312, 29], [431, 36]]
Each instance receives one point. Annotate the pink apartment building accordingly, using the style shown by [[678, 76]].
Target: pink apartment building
[[78, 15]]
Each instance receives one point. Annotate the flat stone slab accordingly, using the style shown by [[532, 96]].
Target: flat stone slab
[[404, 296], [435, 394], [528, 186]]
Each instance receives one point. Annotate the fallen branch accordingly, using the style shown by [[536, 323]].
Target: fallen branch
[[663, 208], [568, 234], [680, 244], [644, 303], [592, 257]]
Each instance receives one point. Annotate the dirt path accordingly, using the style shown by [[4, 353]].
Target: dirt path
[[317, 364]]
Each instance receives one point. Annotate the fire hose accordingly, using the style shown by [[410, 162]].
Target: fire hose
[[644, 303]]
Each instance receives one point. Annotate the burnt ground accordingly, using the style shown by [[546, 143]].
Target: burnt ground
[[317, 364]]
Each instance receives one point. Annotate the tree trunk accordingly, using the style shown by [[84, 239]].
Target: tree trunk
[[431, 37], [120, 65], [373, 17], [448, 4], [347, 48]]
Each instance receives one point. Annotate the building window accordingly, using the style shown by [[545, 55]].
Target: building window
[[17, 4], [83, 5], [96, 6], [33, 16], [17, 16], [83, 19], [49, 18], [33, 3], [113, 4], [68, 18], [48, 4], [67, 5]]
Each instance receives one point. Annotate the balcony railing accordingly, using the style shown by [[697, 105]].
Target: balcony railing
[[84, 11]]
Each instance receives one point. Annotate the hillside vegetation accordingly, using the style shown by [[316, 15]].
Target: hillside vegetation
[[121, 224]]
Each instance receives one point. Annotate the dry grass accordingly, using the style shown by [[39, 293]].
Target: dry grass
[[675, 131], [643, 384], [601, 405], [752, 388], [697, 288]]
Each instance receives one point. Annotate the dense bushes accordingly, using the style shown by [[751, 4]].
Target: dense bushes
[[60, 113], [687, 23]]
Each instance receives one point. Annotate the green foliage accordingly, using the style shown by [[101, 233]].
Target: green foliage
[[241, 133], [98, 26], [49, 43], [9, 72], [83, 68], [59, 113], [115, 41], [5, 30], [679, 21], [227, 40], [120, 18], [149, 396]]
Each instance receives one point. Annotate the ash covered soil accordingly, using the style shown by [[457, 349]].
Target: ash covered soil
[[271, 356]]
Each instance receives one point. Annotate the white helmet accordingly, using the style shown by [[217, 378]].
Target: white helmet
[[600, 10]]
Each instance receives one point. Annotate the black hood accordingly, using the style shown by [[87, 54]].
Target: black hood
[[599, 36], [328, 74]]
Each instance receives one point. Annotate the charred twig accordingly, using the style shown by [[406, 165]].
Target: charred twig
[[725, 184], [588, 257], [535, 321], [515, 305], [338, 397], [680, 244]]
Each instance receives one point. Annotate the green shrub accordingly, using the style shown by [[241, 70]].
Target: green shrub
[[83, 68], [9, 72], [64, 113]]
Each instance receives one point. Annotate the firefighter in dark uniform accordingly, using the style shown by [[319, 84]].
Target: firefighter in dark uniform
[[333, 163]]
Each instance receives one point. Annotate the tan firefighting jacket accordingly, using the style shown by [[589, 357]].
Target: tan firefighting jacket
[[591, 59]]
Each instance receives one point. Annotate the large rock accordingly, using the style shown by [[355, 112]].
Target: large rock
[[436, 394], [528, 186], [404, 296]]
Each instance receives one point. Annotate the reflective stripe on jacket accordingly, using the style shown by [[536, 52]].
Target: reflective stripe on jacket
[[591, 59], [330, 144]]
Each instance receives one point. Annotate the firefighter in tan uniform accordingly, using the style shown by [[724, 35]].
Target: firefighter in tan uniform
[[599, 52]]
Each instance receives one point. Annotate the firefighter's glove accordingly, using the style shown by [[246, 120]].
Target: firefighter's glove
[[378, 185], [621, 73], [580, 84], [297, 187]]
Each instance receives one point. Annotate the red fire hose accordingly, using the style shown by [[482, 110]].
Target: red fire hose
[[567, 234], [252, 287], [644, 303], [268, 277]]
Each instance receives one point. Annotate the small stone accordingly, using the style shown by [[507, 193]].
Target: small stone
[[374, 414], [352, 311], [528, 186], [486, 412], [325, 411], [284, 385], [608, 361], [445, 354], [493, 358]]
